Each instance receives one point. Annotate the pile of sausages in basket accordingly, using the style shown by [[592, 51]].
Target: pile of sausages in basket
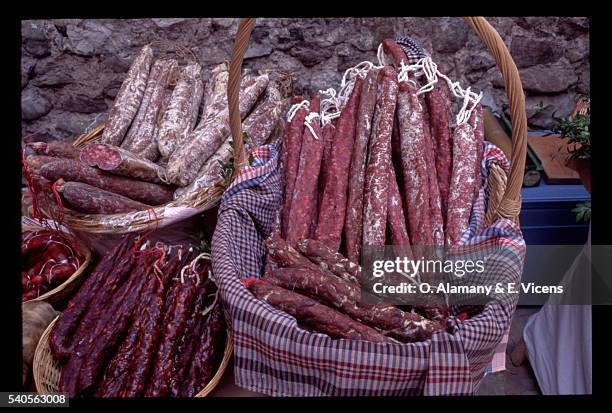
[[146, 322], [382, 162], [166, 137]]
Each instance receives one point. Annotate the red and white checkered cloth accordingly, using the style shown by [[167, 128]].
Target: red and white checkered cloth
[[273, 355]]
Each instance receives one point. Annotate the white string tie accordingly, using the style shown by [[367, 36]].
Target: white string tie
[[311, 117], [293, 110]]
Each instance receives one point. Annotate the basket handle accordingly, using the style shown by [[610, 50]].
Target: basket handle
[[510, 205]]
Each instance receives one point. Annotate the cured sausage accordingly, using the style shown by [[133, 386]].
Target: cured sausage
[[330, 260], [207, 354], [395, 218], [304, 197], [111, 327], [89, 199], [189, 341], [55, 148], [116, 374], [173, 329], [128, 99], [205, 140], [402, 325], [464, 183], [330, 288], [414, 167], [439, 104], [292, 146], [328, 136], [150, 327], [73, 170], [435, 206], [118, 161], [353, 227], [140, 138], [61, 335], [259, 125], [311, 313], [333, 203], [181, 115], [379, 162]]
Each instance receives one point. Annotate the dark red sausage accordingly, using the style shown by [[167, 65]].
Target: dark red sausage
[[435, 205], [312, 313], [89, 199], [414, 167], [61, 335], [76, 171], [330, 288], [439, 105], [333, 203], [303, 203], [150, 330], [353, 227], [292, 146]]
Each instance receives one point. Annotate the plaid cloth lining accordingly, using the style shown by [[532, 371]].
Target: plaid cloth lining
[[273, 355]]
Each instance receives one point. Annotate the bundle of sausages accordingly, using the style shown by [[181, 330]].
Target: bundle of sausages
[[167, 135], [146, 322], [389, 169], [321, 289]]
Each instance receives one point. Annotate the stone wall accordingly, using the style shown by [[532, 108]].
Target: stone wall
[[71, 69]]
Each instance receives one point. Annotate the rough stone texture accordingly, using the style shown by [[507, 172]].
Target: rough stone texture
[[72, 68]]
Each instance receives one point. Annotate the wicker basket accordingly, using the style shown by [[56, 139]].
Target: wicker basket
[[65, 290], [47, 370], [305, 351]]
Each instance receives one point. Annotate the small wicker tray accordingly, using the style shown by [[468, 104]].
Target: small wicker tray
[[47, 370], [65, 290]]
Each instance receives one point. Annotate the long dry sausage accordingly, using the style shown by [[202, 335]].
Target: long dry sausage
[[140, 138], [55, 148], [128, 99], [395, 218], [464, 183], [333, 203], [353, 227], [438, 103], [330, 260], [312, 313], [416, 185], [182, 111], [379, 162], [89, 199], [292, 146], [73, 170], [303, 202]]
